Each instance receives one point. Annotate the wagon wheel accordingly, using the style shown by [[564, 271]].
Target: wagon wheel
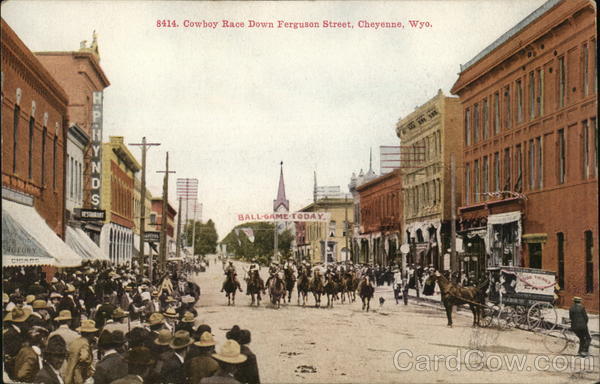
[[542, 316], [520, 317], [506, 318], [487, 316]]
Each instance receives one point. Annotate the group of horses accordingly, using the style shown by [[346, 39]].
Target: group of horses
[[335, 286]]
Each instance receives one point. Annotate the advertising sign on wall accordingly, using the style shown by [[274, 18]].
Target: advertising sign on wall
[[96, 161]]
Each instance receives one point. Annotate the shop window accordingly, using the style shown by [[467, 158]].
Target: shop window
[[562, 161], [589, 263], [560, 245], [420, 238]]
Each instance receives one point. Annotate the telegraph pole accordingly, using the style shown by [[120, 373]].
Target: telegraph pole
[[164, 216], [144, 146], [178, 243], [454, 262]]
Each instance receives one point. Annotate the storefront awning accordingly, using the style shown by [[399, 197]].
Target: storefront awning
[[136, 245], [28, 241], [83, 245]]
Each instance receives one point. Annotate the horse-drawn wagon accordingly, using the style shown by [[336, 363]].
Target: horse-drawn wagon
[[520, 297]]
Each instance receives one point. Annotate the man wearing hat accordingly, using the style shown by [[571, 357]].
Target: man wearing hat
[[40, 316], [29, 359], [579, 320], [112, 366], [14, 336], [118, 322], [139, 361], [64, 320], [79, 363], [156, 322], [202, 364], [173, 368], [54, 356], [248, 370], [229, 359], [104, 311], [172, 318]]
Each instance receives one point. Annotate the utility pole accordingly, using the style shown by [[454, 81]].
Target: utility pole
[[346, 226], [164, 216], [178, 243], [144, 146], [194, 228], [454, 262]]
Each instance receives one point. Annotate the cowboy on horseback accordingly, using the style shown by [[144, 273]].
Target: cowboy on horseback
[[273, 271], [230, 269]]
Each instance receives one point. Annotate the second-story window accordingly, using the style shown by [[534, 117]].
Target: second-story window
[[507, 110], [531, 95], [496, 172], [585, 69], [562, 159], [486, 177], [540, 162], [496, 113], [476, 190], [467, 127], [540, 96], [30, 150], [467, 184], [43, 167], [519, 101], [507, 169], [562, 86], [16, 118], [475, 123], [486, 119], [531, 168], [585, 149]]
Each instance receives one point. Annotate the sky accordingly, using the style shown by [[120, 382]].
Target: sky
[[229, 104]]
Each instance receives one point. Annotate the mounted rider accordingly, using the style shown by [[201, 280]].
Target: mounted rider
[[273, 271], [231, 269]]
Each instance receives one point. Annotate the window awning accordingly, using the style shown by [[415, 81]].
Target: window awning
[[28, 241], [83, 245], [136, 245]]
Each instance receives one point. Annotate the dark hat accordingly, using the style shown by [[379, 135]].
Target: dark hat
[[56, 346], [139, 356], [234, 333], [181, 339], [245, 336], [138, 337]]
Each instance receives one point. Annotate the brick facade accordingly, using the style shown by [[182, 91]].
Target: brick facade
[[41, 106], [541, 147]]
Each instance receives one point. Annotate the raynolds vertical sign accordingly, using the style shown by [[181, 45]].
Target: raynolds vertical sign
[[96, 164]]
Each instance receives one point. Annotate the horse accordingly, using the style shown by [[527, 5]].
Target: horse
[[254, 285], [316, 286], [453, 294], [302, 286], [276, 290], [290, 281], [230, 287], [366, 291], [351, 282], [330, 288]]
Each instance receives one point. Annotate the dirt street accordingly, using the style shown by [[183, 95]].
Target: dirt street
[[392, 343]]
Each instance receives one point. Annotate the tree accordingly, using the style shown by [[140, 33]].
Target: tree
[[206, 236], [262, 247]]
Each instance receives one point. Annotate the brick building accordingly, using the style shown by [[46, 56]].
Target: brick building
[[429, 136], [156, 220], [531, 147], [381, 218], [34, 135], [119, 168], [80, 75]]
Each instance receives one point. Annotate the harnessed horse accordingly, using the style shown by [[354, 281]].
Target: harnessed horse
[[453, 294]]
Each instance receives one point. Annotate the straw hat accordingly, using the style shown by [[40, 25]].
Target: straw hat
[[577, 299], [156, 318], [87, 326], [55, 295], [54, 280], [206, 340], [187, 299], [170, 299], [39, 304], [170, 313], [5, 298], [119, 313], [18, 315], [139, 356], [230, 353], [188, 317], [29, 299], [155, 293], [164, 337], [65, 314], [70, 288], [181, 339]]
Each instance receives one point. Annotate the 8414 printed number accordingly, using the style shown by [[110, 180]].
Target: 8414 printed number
[[166, 24]]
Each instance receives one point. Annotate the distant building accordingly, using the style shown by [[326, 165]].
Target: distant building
[[119, 168], [429, 136], [381, 219], [335, 232], [530, 134], [156, 221]]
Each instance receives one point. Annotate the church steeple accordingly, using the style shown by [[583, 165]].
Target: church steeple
[[281, 200]]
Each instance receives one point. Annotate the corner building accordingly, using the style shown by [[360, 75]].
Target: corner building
[[530, 137]]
